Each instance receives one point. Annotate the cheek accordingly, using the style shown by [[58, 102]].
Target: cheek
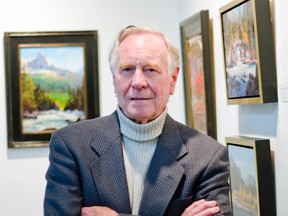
[[121, 86], [162, 91], [167, 87]]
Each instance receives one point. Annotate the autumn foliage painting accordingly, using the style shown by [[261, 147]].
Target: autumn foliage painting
[[197, 85], [240, 51], [51, 87], [243, 181]]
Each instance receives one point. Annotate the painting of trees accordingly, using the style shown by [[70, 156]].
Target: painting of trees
[[50, 93], [240, 51]]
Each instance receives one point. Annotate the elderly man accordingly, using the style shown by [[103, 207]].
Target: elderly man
[[138, 160]]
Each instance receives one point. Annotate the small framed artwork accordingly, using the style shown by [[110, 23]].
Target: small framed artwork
[[51, 81], [249, 55], [251, 179], [198, 73]]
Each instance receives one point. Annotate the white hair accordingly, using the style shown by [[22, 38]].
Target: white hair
[[173, 52]]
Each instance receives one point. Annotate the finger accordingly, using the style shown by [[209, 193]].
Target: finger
[[200, 207], [85, 211], [190, 208], [209, 212], [201, 204]]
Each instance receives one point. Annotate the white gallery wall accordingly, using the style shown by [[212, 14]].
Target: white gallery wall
[[263, 121], [22, 171]]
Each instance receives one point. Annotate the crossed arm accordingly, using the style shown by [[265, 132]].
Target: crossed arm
[[198, 208], [63, 182]]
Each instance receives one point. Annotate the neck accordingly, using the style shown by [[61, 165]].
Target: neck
[[141, 132]]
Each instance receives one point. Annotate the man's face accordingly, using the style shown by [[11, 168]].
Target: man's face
[[141, 80]]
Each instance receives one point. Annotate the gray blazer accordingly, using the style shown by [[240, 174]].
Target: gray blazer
[[87, 169]]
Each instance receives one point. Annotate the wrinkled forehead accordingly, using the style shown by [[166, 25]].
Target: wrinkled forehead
[[149, 38], [129, 30], [143, 46]]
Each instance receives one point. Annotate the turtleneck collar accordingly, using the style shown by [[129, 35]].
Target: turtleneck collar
[[141, 132]]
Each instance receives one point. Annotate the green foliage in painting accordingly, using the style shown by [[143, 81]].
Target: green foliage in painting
[[44, 92]]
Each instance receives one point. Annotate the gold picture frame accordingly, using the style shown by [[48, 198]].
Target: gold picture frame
[[249, 56]]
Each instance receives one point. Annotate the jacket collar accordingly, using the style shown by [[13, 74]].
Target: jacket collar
[[165, 172], [163, 176], [108, 169]]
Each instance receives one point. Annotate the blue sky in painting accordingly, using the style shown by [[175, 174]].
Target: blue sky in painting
[[64, 57], [245, 160]]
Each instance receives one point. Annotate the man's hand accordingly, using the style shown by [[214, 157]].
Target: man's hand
[[198, 208], [98, 211], [201, 208]]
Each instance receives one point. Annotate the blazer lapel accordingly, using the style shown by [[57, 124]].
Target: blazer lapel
[[164, 173], [108, 170]]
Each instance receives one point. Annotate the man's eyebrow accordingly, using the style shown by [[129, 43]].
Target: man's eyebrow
[[126, 65]]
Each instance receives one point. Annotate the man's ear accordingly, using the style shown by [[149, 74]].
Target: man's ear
[[114, 84], [174, 79]]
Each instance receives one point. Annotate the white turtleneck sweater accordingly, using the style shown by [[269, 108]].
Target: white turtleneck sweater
[[139, 143]]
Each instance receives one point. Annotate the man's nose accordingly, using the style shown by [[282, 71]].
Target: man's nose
[[139, 79]]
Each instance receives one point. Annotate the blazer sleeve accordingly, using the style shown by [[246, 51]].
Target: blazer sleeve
[[214, 182], [63, 195]]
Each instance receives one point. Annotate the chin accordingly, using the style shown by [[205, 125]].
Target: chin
[[139, 117]]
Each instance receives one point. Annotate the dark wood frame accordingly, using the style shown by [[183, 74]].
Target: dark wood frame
[[199, 24], [265, 183], [12, 40], [265, 60]]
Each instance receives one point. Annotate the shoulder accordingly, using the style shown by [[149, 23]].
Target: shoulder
[[193, 138], [202, 149], [187, 133], [90, 127], [91, 122]]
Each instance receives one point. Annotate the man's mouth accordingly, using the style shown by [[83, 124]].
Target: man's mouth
[[139, 99]]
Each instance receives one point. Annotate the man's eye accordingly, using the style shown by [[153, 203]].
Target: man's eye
[[126, 69], [150, 70]]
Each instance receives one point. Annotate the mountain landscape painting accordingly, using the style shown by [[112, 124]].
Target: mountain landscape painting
[[243, 181], [51, 87], [239, 40]]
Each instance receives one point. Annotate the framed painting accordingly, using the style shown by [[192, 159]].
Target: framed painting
[[252, 185], [198, 73], [51, 81], [249, 55]]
